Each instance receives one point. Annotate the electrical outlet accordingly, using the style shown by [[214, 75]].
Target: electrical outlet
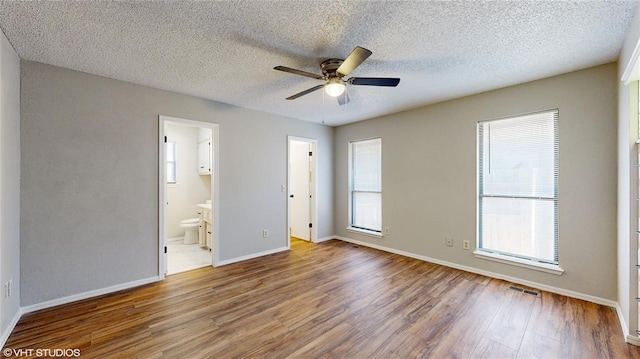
[[448, 241], [265, 233], [466, 245], [386, 230]]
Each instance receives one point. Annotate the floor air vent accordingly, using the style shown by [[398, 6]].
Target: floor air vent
[[525, 291]]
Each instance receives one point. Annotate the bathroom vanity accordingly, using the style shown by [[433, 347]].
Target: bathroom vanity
[[206, 226]]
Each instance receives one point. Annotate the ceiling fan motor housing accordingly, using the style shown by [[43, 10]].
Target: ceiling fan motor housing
[[330, 67]]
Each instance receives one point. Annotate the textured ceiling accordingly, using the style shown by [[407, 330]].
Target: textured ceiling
[[226, 51]]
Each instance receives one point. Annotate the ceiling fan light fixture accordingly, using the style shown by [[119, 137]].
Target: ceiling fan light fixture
[[334, 72], [334, 88]]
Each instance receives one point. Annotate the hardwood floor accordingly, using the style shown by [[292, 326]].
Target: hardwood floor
[[327, 300]]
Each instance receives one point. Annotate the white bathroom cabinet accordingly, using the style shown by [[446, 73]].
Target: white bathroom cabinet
[[206, 228], [204, 157], [209, 235]]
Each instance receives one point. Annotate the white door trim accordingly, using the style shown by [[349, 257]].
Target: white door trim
[[314, 186], [163, 121]]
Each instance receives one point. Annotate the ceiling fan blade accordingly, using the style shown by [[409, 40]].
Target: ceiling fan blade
[[343, 99], [355, 58], [374, 81], [298, 72], [307, 91]]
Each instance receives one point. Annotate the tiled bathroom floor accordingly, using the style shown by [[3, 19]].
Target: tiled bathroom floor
[[183, 257]]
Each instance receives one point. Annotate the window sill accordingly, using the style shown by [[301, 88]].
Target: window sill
[[365, 232], [542, 267], [172, 185]]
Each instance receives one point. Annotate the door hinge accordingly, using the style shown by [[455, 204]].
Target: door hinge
[[165, 139], [310, 225], [310, 153], [165, 249]]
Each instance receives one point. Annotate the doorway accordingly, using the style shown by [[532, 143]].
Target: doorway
[[188, 178], [302, 188]]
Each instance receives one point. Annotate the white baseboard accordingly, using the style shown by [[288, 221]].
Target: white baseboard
[[324, 239], [12, 325], [631, 339], [623, 323], [251, 256], [548, 288], [89, 294]]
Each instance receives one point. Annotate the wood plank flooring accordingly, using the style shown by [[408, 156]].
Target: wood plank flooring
[[329, 300]]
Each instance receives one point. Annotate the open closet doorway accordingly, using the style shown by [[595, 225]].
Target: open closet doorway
[[301, 205], [188, 180]]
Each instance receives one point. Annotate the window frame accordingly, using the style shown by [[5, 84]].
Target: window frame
[[351, 227], [549, 266]]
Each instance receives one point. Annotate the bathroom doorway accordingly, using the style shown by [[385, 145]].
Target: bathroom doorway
[[187, 181], [301, 202]]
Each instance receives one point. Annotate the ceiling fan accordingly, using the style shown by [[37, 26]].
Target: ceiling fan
[[334, 72]]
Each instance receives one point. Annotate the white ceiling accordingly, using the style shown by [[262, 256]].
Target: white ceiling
[[225, 51]]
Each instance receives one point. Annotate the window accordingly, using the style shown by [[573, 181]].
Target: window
[[518, 187], [365, 185], [171, 162]]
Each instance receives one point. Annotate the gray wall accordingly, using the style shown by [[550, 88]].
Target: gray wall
[[9, 180], [429, 176], [90, 179], [628, 184]]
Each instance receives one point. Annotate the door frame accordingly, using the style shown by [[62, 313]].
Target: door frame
[[163, 121], [313, 190]]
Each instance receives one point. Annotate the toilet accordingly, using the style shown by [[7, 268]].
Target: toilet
[[191, 227]]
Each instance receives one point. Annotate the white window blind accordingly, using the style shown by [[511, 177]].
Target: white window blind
[[518, 186], [171, 162], [366, 185]]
